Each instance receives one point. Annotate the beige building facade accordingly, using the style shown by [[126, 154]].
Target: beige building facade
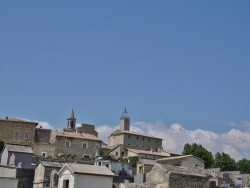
[[17, 131], [81, 142], [122, 140]]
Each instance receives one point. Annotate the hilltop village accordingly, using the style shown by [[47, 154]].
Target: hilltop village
[[35, 157]]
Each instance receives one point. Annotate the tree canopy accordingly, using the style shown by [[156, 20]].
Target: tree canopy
[[224, 162], [200, 152], [243, 166]]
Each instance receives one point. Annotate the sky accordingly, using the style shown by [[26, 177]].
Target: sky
[[181, 68]]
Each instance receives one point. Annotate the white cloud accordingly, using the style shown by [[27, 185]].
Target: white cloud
[[104, 132], [44, 125], [235, 142]]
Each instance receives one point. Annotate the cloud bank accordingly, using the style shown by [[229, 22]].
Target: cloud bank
[[235, 142]]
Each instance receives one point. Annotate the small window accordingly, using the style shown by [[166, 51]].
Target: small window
[[18, 126], [26, 135], [17, 135], [44, 154], [122, 153], [67, 143], [149, 139], [27, 126], [97, 146], [156, 141], [86, 156], [116, 153], [129, 136], [85, 145], [137, 137], [142, 138]]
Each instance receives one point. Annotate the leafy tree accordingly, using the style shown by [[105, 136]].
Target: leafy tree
[[1, 145], [200, 152], [134, 160], [105, 155], [243, 166], [224, 162], [123, 159]]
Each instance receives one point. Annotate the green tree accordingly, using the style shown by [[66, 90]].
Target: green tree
[[135, 160], [200, 152], [224, 162], [243, 166]]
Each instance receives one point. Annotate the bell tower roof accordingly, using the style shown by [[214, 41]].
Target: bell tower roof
[[72, 115]]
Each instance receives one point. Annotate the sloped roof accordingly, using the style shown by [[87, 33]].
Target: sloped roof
[[119, 131], [178, 158], [18, 148], [72, 115], [18, 120], [88, 169], [51, 164], [170, 152], [76, 135]]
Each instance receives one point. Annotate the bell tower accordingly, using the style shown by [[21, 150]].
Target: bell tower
[[125, 121], [71, 121]]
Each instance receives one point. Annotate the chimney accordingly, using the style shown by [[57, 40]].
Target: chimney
[[6, 117]]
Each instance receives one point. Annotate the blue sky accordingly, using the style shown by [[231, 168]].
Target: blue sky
[[184, 62]]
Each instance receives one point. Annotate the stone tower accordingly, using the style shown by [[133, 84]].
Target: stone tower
[[71, 121], [125, 121]]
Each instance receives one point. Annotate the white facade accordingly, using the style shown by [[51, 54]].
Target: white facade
[[69, 178], [8, 183]]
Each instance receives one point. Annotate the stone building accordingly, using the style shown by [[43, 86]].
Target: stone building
[[188, 161], [46, 174], [166, 176], [79, 141], [79, 175], [17, 131], [15, 155], [122, 139]]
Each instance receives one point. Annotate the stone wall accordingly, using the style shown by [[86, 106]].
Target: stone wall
[[165, 176], [41, 147], [42, 135], [142, 141], [87, 129], [10, 128], [76, 147]]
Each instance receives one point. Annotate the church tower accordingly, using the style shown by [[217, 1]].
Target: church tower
[[71, 121], [125, 121]]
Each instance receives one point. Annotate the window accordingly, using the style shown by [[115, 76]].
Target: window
[[156, 141], [18, 126], [97, 146], [122, 153], [27, 126], [26, 135], [44, 154], [17, 135], [149, 139], [86, 156], [85, 145], [142, 138], [67, 143], [116, 153], [137, 137], [129, 136]]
